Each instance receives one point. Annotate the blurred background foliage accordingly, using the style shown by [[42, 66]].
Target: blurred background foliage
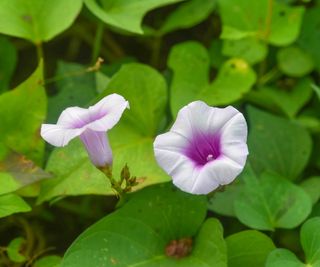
[[261, 56]]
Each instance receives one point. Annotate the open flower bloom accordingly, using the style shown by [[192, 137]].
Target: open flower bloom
[[206, 147], [90, 125]]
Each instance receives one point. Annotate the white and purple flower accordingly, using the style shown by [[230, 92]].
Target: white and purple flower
[[90, 125], [205, 148]]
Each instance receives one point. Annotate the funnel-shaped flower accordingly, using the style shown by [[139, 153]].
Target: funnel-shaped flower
[[206, 147], [90, 125]]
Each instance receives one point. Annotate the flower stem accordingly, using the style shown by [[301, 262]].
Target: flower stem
[[124, 184]]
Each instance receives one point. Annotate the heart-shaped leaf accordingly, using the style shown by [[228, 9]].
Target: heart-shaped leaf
[[294, 61], [289, 100], [273, 22], [250, 49], [157, 212], [15, 250], [310, 241], [37, 20], [27, 106], [311, 186], [277, 144], [248, 248], [309, 40], [187, 15], [190, 64], [73, 174], [123, 14], [270, 202], [283, 257], [12, 203]]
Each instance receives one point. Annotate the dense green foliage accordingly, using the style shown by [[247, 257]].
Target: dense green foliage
[[261, 56]]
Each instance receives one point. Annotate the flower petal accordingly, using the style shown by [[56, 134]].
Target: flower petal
[[74, 117], [168, 152], [98, 147], [199, 117], [204, 183], [107, 112], [58, 135], [233, 139], [170, 141], [222, 170]]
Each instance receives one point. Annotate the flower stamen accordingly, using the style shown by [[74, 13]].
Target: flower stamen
[[210, 157]]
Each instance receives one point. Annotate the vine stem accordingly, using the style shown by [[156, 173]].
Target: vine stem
[[268, 19], [156, 48], [269, 76], [39, 51], [97, 41]]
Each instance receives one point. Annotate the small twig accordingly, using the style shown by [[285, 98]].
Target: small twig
[[93, 68], [37, 255]]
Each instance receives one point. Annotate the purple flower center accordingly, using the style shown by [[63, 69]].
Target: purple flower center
[[203, 148]]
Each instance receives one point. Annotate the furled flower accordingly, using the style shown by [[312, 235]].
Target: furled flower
[[206, 147], [90, 125]]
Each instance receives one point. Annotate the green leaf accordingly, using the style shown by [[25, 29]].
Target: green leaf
[[277, 145], [285, 24], [37, 20], [146, 91], [278, 24], [132, 148], [48, 261], [157, 212], [22, 111], [15, 249], [248, 249], [123, 14], [210, 247], [12, 203], [310, 241], [74, 174], [187, 15], [290, 100], [190, 64], [8, 62], [311, 186], [272, 202], [294, 61], [76, 88], [249, 49], [223, 202], [309, 39], [17, 172], [316, 89], [282, 257]]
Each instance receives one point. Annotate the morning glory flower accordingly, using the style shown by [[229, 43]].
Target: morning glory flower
[[205, 148], [90, 125]]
